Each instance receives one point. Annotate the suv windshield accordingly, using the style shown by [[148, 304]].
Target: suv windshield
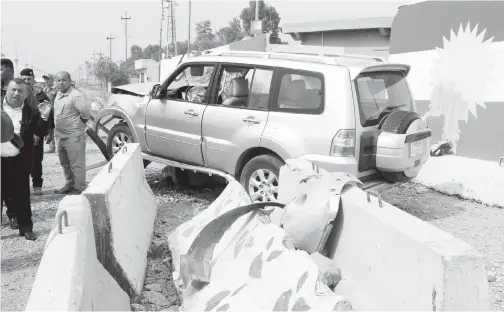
[[381, 92]]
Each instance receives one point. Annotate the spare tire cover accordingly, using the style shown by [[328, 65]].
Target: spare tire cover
[[402, 122]]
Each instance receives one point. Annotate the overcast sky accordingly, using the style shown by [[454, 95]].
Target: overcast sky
[[61, 35]]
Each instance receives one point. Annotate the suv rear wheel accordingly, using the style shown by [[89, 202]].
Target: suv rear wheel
[[260, 178], [119, 135], [400, 122]]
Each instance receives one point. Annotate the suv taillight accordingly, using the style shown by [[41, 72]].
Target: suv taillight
[[343, 144]]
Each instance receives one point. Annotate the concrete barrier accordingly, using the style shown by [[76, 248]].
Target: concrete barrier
[[124, 210], [253, 266], [69, 276], [390, 260]]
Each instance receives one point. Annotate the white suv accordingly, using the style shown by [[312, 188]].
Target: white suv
[[244, 113]]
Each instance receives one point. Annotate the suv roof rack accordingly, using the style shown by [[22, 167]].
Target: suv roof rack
[[332, 59]]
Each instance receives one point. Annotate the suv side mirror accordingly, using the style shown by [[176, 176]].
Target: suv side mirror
[[155, 89]]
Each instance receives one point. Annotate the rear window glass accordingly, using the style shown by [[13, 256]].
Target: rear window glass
[[381, 92], [299, 92]]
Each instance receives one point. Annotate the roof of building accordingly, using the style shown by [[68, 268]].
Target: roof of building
[[342, 24]]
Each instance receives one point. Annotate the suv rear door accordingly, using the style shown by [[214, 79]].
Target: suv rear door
[[237, 114], [377, 88]]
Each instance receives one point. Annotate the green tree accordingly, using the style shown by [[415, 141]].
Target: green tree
[[205, 38], [231, 33], [267, 14]]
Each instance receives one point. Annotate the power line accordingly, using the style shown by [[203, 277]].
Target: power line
[[126, 18]]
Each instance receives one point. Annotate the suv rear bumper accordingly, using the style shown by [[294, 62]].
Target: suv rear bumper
[[333, 164], [371, 181]]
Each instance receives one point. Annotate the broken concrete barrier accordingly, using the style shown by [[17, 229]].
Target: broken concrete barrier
[[251, 267], [69, 277], [124, 210], [390, 260]]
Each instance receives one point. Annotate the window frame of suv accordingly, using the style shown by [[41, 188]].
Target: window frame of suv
[[254, 67], [162, 93], [282, 71]]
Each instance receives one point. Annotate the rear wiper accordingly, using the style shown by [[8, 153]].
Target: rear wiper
[[384, 110], [392, 107]]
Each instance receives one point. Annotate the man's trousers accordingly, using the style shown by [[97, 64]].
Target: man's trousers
[[72, 155], [38, 157], [16, 191]]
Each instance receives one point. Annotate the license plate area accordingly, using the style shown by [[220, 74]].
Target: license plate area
[[415, 149]]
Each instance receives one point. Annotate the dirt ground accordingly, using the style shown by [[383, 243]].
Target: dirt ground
[[479, 225]]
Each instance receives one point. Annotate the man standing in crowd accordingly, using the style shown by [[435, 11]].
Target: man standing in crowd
[[71, 113], [38, 144], [51, 91], [7, 74], [17, 160]]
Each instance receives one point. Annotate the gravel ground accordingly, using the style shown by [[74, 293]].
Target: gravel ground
[[479, 225]]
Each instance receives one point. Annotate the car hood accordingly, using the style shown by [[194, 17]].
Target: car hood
[[137, 89]]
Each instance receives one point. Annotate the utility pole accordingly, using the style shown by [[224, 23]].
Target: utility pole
[[173, 29], [16, 59], [110, 38], [160, 39], [189, 35], [126, 18], [170, 26]]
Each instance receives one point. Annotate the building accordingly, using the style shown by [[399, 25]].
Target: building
[[369, 36], [149, 70]]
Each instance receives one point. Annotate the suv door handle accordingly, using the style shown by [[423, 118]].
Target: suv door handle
[[191, 113], [251, 120]]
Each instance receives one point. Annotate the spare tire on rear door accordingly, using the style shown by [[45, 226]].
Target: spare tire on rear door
[[403, 146]]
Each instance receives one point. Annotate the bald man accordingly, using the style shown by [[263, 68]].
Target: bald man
[[17, 158], [71, 113]]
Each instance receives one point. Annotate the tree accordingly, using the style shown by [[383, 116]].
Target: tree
[[152, 52], [267, 14], [231, 33], [136, 52], [107, 71], [205, 38]]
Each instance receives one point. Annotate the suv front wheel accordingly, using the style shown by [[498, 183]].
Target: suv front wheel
[[119, 135], [260, 178]]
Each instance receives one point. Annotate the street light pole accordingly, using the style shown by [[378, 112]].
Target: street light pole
[[126, 18]]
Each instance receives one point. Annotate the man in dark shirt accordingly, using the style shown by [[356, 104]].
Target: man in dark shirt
[[38, 144], [16, 166]]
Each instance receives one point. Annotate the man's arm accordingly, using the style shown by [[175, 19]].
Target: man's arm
[[82, 106]]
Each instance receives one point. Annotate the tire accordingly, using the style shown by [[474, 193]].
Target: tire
[[180, 177], [118, 129], [398, 122], [269, 164]]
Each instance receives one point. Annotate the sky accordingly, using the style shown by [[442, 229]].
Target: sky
[[62, 35]]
